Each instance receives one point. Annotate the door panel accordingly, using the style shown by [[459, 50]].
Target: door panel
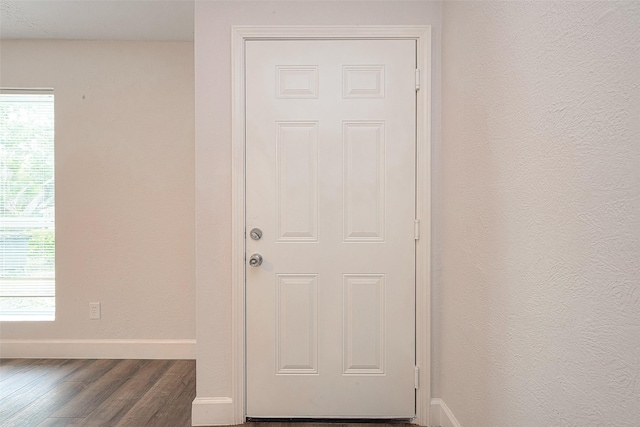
[[297, 181], [297, 324], [363, 324], [330, 161], [363, 183]]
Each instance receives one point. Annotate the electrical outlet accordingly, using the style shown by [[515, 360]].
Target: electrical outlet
[[94, 310]]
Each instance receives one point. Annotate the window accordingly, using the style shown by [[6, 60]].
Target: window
[[27, 205]]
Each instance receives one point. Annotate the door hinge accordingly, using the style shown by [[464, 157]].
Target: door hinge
[[417, 377], [417, 80], [416, 229]]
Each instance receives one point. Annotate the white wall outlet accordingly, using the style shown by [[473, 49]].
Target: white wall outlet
[[94, 310]]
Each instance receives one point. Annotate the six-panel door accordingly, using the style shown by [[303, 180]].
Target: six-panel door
[[330, 163]]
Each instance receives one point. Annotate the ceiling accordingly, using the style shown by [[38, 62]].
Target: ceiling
[[161, 20]]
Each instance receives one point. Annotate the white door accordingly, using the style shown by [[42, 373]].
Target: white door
[[330, 164]]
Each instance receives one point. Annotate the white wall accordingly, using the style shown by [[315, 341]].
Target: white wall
[[125, 194], [213, 146], [539, 305]]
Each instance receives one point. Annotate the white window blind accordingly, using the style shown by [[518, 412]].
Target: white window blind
[[27, 205]]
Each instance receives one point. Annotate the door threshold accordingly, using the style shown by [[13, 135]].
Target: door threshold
[[332, 420]]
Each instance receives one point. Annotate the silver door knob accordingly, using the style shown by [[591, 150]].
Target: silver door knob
[[255, 260]]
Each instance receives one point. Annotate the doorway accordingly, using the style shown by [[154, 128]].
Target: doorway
[[311, 325]]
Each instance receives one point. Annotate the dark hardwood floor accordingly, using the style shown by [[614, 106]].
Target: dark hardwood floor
[[65, 392], [104, 392]]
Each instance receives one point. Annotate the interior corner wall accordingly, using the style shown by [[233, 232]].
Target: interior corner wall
[[125, 196], [213, 146], [539, 304]]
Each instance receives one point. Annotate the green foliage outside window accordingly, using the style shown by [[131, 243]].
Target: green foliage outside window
[[27, 186]]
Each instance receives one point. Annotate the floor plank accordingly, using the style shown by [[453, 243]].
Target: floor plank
[[40, 409], [33, 372], [98, 391], [171, 414], [112, 410], [163, 392], [21, 397], [94, 369], [10, 367], [62, 422]]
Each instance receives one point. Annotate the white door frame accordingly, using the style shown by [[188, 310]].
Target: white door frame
[[422, 36]]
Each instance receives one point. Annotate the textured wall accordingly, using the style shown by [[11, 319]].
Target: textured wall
[[213, 145], [124, 142], [539, 306]]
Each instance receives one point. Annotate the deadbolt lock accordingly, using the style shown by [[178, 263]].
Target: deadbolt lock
[[256, 234]]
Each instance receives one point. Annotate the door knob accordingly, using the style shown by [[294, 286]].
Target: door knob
[[255, 260]]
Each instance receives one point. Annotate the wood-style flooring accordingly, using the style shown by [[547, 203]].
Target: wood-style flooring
[[69, 392], [104, 392]]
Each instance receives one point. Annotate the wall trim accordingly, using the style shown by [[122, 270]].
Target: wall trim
[[441, 415], [211, 411], [422, 35], [98, 349]]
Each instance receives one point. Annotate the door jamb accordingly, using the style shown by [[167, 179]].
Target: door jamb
[[422, 36]]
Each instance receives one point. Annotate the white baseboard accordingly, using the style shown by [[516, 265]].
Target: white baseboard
[[98, 349], [212, 411], [219, 411], [441, 415]]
